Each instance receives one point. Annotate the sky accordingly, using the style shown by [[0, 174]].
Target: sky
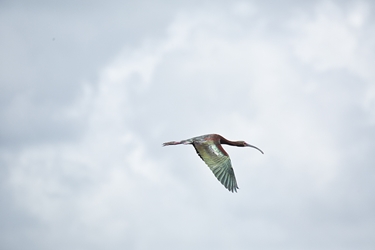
[[91, 89]]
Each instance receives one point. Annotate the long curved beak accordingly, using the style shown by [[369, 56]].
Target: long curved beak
[[248, 145]]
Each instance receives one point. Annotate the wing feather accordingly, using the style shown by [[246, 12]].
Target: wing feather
[[218, 161]]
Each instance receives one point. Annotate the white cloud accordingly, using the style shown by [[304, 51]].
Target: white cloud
[[327, 41], [244, 9], [210, 73], [358, 14], [339, 38]]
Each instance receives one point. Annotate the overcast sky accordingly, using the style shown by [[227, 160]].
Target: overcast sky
[[90, 90]]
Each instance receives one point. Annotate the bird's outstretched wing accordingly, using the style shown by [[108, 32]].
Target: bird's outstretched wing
[[218, 161]]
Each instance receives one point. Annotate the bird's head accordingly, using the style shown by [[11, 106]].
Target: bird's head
[[245, 144]]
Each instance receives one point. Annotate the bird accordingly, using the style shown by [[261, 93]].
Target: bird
[[209, 149]]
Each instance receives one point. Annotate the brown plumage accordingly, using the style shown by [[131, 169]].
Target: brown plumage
[[212, 153]]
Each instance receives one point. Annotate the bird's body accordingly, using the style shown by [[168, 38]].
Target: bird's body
[[209, 148]]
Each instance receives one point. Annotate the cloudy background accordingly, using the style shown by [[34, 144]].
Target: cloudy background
[[90, 90]]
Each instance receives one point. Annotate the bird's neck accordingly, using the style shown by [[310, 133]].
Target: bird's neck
[[231, 143]]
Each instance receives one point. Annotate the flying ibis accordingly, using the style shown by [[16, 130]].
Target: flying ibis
[[209, 148]]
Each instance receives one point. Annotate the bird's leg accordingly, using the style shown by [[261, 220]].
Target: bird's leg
[[170, 143], [185, 142]]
